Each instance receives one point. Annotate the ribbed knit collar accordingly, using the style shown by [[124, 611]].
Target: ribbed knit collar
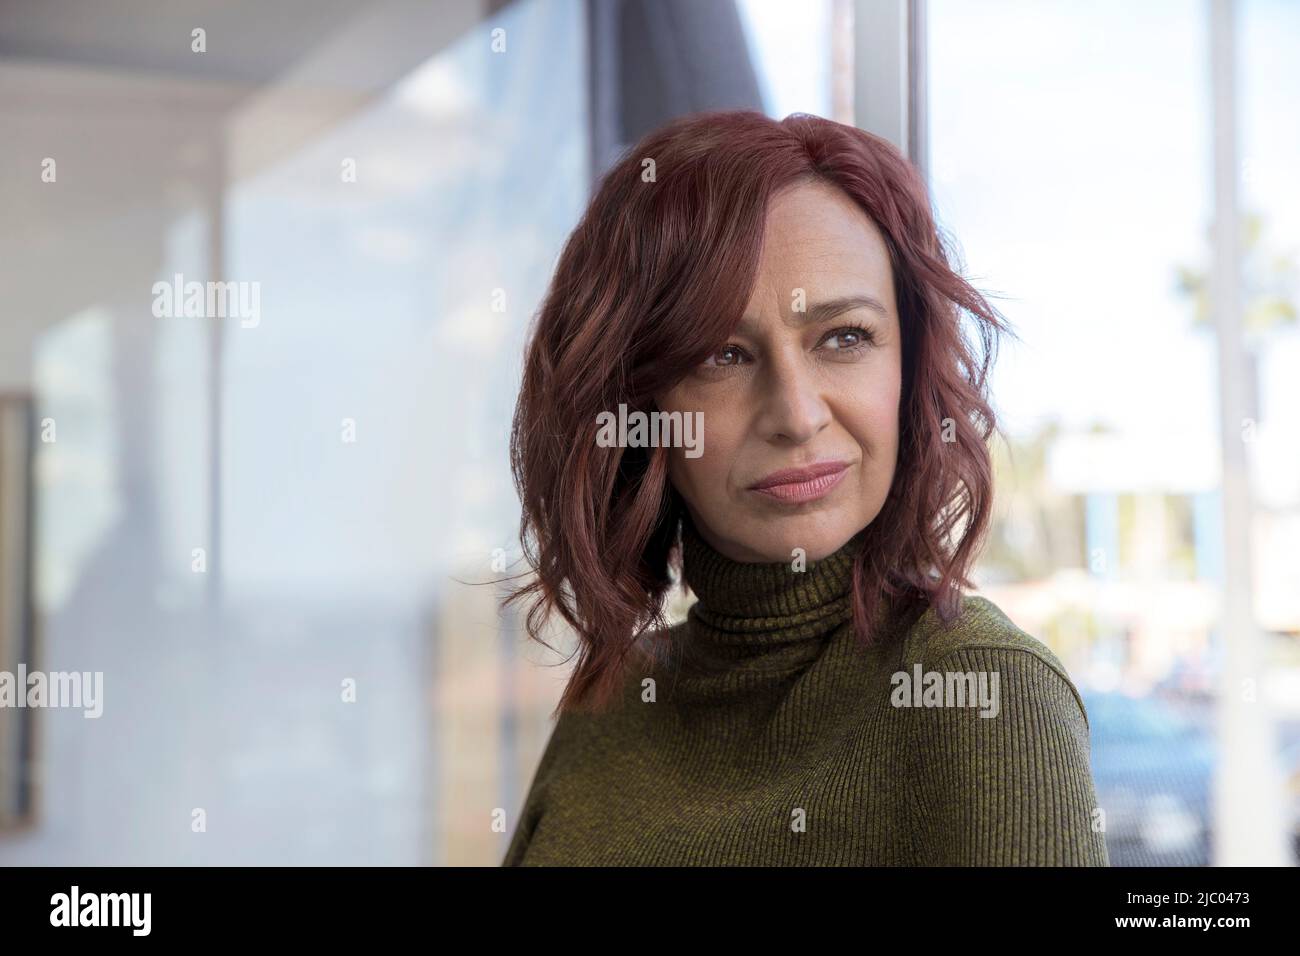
[[752, 607]]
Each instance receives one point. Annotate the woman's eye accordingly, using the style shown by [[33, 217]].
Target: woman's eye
[[841, 340], [844, 339], [730, 355]]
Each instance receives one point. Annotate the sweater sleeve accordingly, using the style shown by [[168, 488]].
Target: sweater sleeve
[[1014, 789]]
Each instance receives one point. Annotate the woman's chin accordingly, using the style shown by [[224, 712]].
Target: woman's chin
[[787, 545]]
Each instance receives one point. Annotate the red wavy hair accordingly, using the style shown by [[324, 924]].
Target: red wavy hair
[[653, 280]]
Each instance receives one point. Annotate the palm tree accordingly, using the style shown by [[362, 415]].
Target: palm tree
[[1270, 279]]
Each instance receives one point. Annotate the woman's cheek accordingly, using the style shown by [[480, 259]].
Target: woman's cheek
[[701, 481]]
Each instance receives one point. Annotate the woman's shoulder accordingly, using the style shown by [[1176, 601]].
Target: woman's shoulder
[[1002, 776], [979, 624], [980, 636]]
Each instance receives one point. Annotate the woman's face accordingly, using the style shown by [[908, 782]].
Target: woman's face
[[800, 408]]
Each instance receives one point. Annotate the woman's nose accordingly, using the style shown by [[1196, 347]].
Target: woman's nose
[[793, 408]]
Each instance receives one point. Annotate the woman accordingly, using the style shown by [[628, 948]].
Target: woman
[[831, 698]]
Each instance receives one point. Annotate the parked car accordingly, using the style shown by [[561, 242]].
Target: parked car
[[1291, 767], [1153, 769]]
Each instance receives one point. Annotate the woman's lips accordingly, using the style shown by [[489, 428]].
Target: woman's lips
[[799, 485]]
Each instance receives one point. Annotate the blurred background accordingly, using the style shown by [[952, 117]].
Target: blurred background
[[264, 523]]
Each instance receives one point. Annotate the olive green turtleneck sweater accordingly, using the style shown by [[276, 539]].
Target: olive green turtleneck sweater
[[773, 737]]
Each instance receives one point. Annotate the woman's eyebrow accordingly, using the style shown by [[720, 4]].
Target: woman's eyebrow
[[824, 311]]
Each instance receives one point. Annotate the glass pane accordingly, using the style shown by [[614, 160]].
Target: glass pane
[[1071, 156], [258, 509]]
